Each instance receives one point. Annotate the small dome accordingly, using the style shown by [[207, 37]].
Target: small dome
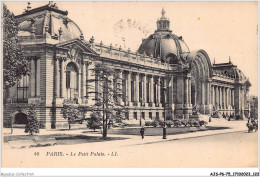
[[163, 42], [48, 18]]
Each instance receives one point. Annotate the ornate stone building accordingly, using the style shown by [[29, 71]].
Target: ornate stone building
[[162, 75]]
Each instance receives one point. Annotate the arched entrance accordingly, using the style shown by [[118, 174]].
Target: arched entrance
[[201, 74], [20, 118]]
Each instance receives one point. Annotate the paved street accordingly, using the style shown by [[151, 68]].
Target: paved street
[[199, 149]]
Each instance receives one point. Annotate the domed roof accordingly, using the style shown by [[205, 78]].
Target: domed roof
[[163, 42], [49, 19]]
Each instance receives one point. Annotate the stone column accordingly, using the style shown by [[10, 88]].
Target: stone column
[[38, 74], [129, 87], [136, 89], [208, 100], [217, 97], [202, 106], [227, 98], [212, 94], [242, 98], [79, 86], [91, 84], [159, 92], [57, 79], [220, 97], [32, 78], [189, 94], [120, 85], [224, 97], [230, 96], [63, 80], [84, 86], [152, 91], [144, 90], [186, 90], [186, 97], [179, 96]]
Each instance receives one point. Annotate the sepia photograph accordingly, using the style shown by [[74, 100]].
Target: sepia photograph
[[130, 84]]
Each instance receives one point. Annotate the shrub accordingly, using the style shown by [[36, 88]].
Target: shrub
[[177, 123], [169, 123], [42, 126], [148, 123], [72, 112], [168, 117], [190, 122], [32, 125], [95, 121], [238, 117], [157, 122], [184, 122], [196, 124], [161, 123], [202, 122]]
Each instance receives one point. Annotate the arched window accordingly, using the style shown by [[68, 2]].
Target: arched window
[[171, 58], [72, 81]]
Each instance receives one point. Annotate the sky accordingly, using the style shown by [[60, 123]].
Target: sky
[[222, 29]]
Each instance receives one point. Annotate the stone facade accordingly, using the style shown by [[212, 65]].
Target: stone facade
[[162, 76]]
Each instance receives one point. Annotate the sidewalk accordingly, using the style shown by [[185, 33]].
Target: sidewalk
[[231, 126]]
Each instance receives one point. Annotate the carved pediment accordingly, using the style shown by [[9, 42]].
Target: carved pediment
[[75, 48]]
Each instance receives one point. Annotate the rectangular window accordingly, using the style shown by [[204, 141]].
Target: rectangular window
[[143, 115], [23, 89], [147, 91], [132, 89], [135, 115], [127, 116], [150, 115], [140, 91], [157, 115]]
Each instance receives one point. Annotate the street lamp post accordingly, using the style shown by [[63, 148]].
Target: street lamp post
[[141, 102], [164, 124], [167, 60]]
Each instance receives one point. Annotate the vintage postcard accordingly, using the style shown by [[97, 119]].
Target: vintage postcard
[[129, 84]]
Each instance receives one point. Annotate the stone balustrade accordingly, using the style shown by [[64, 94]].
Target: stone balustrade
[[128, 56]]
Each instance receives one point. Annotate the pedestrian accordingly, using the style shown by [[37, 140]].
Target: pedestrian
[[142, 132]]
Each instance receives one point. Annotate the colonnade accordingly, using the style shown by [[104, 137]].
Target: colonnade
[[141, 89], [223, 97], [138, 89]]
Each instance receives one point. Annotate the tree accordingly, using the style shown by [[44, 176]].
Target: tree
[[73, 112], [107, 97], [32, 125], [95, 121], [15, 65]]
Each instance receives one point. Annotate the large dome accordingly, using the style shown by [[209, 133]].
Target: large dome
[[163, 42], [48, 19]]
